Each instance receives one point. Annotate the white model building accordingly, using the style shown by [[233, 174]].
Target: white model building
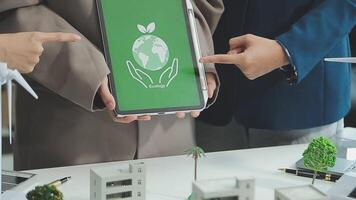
[[118, 182], [305, 192], [345, 188], [224, 189]]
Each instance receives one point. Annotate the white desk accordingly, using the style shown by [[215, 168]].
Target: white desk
[[171, 177]]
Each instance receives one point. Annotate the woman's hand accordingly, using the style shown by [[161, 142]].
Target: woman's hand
[[110, 104], [211, 82], [22, 51]]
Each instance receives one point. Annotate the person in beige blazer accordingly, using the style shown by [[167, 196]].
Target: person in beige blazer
[[67, 125]]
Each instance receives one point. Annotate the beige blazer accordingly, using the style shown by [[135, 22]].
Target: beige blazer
[[65, 126]]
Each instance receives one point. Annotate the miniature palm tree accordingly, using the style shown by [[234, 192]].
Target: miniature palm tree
[[196, 153], [45, 192], [319, 156]]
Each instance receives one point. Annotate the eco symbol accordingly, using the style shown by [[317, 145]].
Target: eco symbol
[[152, 54]]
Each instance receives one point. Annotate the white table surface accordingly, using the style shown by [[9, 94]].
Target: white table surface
[[170, 178]]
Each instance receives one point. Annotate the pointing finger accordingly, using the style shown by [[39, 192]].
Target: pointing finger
[[220, 58], [58, 37]]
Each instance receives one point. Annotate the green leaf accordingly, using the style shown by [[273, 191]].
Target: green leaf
[[195, 152]]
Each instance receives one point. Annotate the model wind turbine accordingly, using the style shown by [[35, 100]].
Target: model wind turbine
[[6, 77]]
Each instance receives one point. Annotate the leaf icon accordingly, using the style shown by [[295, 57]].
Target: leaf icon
[[151, 27], [141, 28]]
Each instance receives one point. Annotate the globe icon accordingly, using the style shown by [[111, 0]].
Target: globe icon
[[150, 52]]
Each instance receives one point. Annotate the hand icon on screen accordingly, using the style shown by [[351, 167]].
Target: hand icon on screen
[[139, 75], [145, 79], [169, 74]]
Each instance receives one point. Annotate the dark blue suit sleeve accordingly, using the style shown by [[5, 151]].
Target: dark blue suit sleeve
[[315, 34]]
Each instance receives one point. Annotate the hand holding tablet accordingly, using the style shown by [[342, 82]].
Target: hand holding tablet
[[153, 56], [110, 103]]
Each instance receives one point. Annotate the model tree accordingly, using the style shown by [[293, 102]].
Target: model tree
[[196, 153], [319, 156], [45, 192]]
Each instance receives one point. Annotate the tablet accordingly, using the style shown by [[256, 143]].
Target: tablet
[[152, 49]]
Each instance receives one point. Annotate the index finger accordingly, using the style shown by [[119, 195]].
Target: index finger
[[220, 58], [58, 37]]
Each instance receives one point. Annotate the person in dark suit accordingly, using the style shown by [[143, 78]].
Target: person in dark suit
[[280, 90]]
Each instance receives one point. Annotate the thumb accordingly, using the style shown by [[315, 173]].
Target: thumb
[[211, 82], [58, 37], [106, 95]]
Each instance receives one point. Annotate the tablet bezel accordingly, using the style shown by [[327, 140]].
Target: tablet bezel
[[157, 111]]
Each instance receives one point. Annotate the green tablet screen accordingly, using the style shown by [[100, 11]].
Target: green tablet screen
[[149, 49]]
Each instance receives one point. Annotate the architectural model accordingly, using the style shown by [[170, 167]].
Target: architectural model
[[224, 189], [345, 188], [305, 192], [118, 182]]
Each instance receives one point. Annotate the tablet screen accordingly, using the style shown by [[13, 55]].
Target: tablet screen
[[150, 51]]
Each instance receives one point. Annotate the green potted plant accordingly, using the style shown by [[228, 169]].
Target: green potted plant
[[319, 156], [196, 153]]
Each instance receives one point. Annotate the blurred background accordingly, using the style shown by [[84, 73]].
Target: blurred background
[[350, 120]]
